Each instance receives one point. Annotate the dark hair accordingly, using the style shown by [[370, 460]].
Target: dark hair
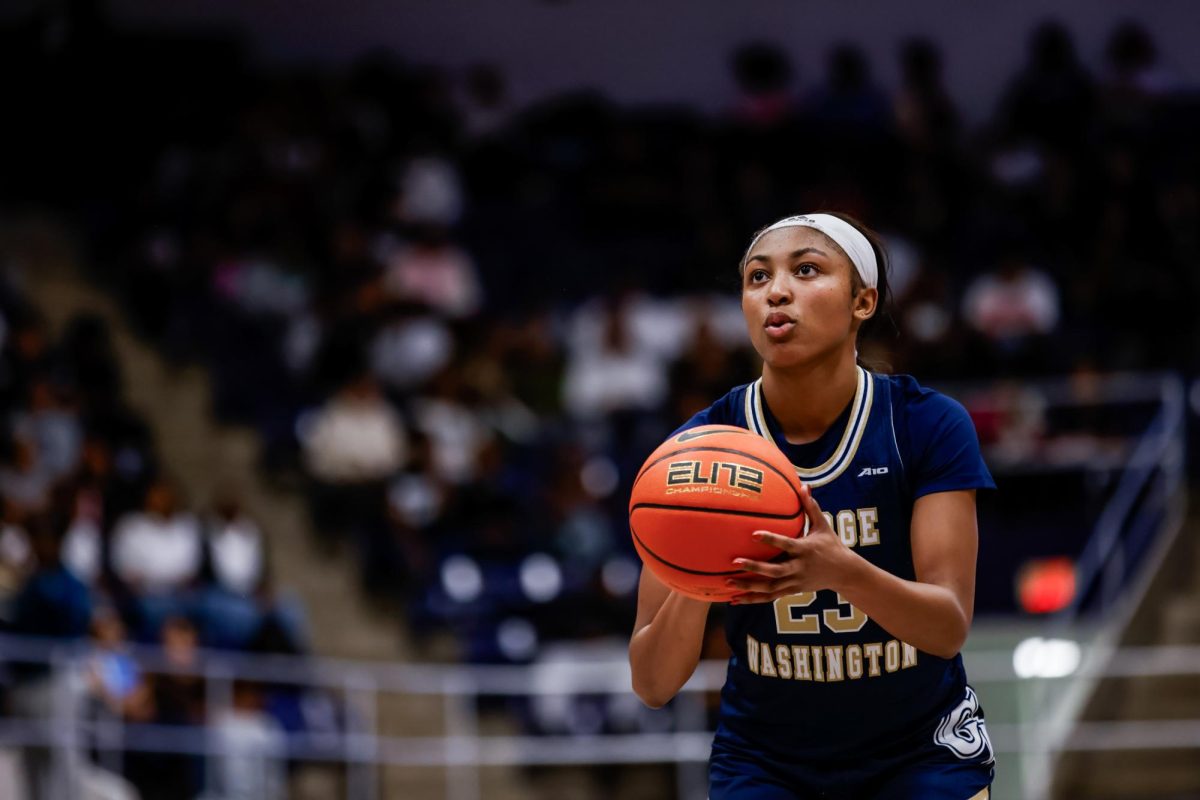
[[874, 324], [879, 322]]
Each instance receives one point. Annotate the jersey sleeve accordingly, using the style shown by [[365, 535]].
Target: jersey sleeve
[[945, 447]]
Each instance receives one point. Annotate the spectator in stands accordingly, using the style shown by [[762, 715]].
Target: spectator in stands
[[53, 424], [16, 554], [416, 502], [410, 348], [235, 547], [157, 553], [24, 479], [84, 548], [357, 437], [1015, 308], [433, 271], [233, 605], [925, 113], [486, 106], [764, 75], [1134, 79], [52, 602], [535, 364], [614, 376], [177, 699], [849, 98], [97, 493], [56, 604], [249, 766], [1052, 101], [353, 446], [448, 413], [114, 678]]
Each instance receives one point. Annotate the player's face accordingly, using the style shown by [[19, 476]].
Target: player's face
[[797, 297]]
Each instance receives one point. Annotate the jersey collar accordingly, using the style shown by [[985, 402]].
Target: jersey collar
[[843, 454]]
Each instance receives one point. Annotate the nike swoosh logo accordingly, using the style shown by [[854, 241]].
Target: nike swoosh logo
[[687, 436]]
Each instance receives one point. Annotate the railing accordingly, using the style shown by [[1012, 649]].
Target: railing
[[461, 752], [1127, 546]]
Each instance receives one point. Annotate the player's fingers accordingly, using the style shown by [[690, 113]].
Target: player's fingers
[[751, 584], [749, 598], [767, 591], [761, 567], [816, 520], [785, 543]]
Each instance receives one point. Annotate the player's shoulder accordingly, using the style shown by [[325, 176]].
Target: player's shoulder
[[936, 438], [920, 401], [920, 410]]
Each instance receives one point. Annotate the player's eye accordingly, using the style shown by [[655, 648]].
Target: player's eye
[[806, 269], [758, 275]]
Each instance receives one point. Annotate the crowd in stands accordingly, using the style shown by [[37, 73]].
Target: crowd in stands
[[99, 548], [463, 324]]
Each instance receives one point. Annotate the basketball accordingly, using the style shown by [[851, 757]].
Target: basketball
[[698, 498]]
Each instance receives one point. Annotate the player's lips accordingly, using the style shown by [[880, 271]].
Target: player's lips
[[778, 325]]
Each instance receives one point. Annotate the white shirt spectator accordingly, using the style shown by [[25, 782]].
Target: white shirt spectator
[[599, 383], [238, 558], [618, 361], [430, 193], [442, 277], [355, 439], [157, 554], [456, 433], [408, 352], [249, 767], [81, 549], [1012, 305]]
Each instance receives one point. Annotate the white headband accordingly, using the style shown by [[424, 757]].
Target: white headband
[[843, 234]]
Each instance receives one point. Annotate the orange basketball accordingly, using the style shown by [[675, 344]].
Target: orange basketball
[[698, 498]]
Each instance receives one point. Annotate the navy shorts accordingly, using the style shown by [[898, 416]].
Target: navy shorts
[[952, 760]]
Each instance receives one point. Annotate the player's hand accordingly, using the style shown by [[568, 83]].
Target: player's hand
[[816, 561]]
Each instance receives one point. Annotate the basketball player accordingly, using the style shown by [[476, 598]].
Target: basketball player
[[845, 679]]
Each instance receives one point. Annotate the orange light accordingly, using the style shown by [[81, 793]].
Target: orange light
[[1046, 585]]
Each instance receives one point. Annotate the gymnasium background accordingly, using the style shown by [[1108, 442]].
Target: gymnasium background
[[333, 334]]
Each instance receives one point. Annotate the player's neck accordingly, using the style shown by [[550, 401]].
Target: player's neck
[[806, 400]]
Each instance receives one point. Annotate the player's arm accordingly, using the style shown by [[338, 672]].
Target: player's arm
[[667, 637], [932, 613]]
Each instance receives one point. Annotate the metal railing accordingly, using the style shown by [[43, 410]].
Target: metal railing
[[461, 751]]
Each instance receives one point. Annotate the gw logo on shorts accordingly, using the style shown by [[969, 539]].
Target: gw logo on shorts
[[736, 476]]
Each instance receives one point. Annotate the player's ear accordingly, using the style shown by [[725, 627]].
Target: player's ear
[[865, 301]]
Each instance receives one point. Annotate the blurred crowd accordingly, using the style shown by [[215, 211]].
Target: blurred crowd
[[461, 325], [98, 547]]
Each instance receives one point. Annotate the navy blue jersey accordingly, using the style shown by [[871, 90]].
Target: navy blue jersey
[[811, 676]]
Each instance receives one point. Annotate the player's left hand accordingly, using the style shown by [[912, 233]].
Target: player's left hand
[[816, 561]]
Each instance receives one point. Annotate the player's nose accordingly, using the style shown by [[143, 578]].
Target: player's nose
[[779, 293]]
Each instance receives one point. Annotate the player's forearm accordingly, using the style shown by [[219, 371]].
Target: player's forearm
[[925, 615], [664, 653]]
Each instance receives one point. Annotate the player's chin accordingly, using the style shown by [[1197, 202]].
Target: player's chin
[[781, 355]]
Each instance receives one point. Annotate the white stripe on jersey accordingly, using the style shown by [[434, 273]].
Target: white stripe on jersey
[[844, 454]]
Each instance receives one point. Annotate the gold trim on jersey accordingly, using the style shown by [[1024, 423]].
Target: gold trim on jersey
[[843, 454]]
